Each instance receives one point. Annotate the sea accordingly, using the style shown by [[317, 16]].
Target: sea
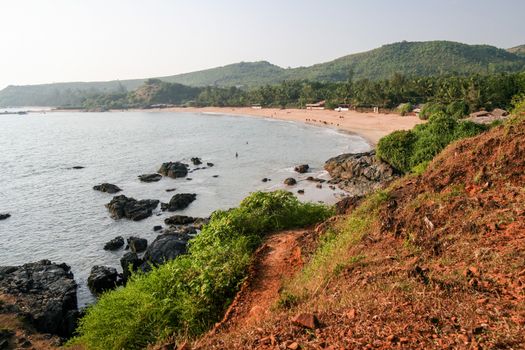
[[56, 214]]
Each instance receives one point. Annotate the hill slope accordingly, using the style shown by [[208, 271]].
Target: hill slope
[[517, 50], [408, 58], [435, 261]]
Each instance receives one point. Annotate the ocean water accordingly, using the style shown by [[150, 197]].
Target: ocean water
[[57, 215]]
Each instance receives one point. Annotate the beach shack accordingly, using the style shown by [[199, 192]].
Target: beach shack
[[318, 105]]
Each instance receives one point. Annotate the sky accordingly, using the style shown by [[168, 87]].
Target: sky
[[44, 41]]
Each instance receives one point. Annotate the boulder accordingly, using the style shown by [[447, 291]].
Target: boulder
[[300, 191], [290, 181], [479, 114], [165, 247], [265, 179], [130, 262], [301, 169], [103, 278], [196, 161], [130, 208], [210, 164], [137, 245], [174, 169], [179, 220], [179, 201], [498, 112], [77, 167], [359, 173], [157, 228], [306, 320], [107, 187], [115, 243], [45, 292], [150, 177], [4, 216]]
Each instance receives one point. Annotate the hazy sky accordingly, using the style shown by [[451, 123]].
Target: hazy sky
[[84, 40]]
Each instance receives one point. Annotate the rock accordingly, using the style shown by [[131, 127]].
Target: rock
[[137, 245], [77, 167], [360, 173], [157, 228], [210, 164], [315, 179], [300, 191], [5, 216], [124, 207], [293, 346], [184, 232], [130, 262], [165, 247], [306, 320], [200, 222], [196, 161], [179, 201], [179, 220], [265, 179], [347, 204], [290, 181], [319, 186], [46, 292], [5, 337], [102, 278], [150, 177], [170, 189], [215, 176], [174, 169], [189, 178], [107, 187], [498, 112], [301, 169], [115, 243], [479, 114]]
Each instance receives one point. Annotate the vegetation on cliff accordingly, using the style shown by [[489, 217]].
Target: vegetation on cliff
[[189, 294]]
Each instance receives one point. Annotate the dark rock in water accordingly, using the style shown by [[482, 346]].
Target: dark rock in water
[[265, 179], [290, 181], [174, 169], [46, 292], [130, 262], [5, 216], [115, 243], [196, 161], [157, 228], [301, 169], [315, 179], [179, 201], [300, 191], [184, 232], [103, 278], [150, 177], [360, 173], [215, 176], [107, 187], [137, 245], [77, 167], [171, 189], [319, 186], [348, 204], [179, 220], [164, 247], [124, 207], [210, 164], [189, 178]]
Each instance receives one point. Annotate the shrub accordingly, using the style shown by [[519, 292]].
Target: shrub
[[404, 108], [429, 109], [189, 294], [396, 149], [457, 109]]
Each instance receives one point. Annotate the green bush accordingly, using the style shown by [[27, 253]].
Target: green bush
[[404, 108], [429, 109], [457, 109], [408, 150], [189, 294]]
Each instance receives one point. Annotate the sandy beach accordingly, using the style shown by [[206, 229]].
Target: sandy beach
[[371, 126]]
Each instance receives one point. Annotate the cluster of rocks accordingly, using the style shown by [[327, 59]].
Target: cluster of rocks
[[174, 169], [44, 294], [359, 173], [486, 117], [107, 187], [4, 216], [130, 208]]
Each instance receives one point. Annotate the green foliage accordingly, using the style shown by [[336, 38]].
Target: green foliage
[[404, 108], [429, 109], [412, 150], [457, 109], [187, 295]]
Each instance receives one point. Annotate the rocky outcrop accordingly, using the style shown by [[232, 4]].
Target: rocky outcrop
[[115, 243], [137, 245], [485, 117], [347, 204], [290, 181], [103, 278], [4, 216], [45, 292], [130, 208], [196, 161], [301, 169], [107, 187], [179, 220], [359, 173], [174, 169], [150, 177], [179, 201], [130, 262], [164, 247]]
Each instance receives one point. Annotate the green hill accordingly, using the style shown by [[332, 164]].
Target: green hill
[[409, 58], [518, 50]]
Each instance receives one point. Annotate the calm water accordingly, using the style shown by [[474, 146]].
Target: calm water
[[57, 215]]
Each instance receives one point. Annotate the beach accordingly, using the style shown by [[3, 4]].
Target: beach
[[371, 126]]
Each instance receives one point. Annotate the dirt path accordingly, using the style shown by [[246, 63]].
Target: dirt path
[[277, 259]]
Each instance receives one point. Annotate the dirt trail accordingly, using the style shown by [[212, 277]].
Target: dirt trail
[[278, 258]]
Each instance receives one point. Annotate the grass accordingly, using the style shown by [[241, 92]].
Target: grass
[[186, 296]]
